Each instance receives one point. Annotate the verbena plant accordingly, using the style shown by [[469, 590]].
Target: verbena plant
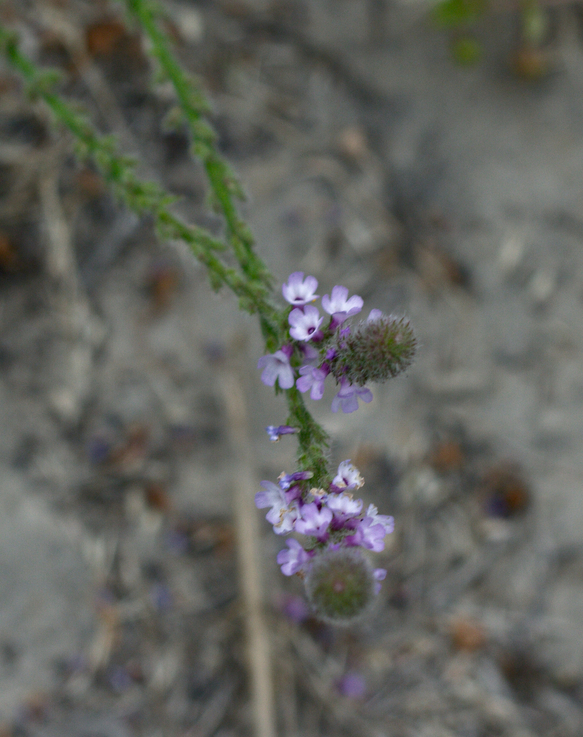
[[303, 349]]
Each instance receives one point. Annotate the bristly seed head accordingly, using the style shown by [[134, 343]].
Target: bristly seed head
[[375, 350], [340, 585]]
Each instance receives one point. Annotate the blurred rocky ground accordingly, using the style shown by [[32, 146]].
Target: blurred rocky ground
[[452, 195]]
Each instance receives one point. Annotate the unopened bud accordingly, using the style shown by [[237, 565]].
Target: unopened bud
[[340, 585], [375, 350]]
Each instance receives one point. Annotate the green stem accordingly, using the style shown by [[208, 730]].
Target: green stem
[[193, 106], [312, 439], [149, 198], [143, 197]]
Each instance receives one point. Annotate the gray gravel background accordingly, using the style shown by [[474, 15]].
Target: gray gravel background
[[451, 195]]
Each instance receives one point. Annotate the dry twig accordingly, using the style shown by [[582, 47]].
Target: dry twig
[[247, 541]]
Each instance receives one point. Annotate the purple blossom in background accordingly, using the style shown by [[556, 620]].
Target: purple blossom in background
[[119, 678], [177, 541], [276, 431], [340, 306], [348, 477], [276, 366], [314, 521], [292, 560], [352, 685], [304, 322], [161, 597], [98, 449], [299, 291], [348, 396], [374, 315], [379, 574], [294, 608], [313, 379]]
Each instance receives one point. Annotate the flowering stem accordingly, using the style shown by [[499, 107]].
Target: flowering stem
[[253, 286], [312, 439], [193, 107]]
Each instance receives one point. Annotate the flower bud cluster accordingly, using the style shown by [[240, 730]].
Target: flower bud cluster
[[375, 350], [333, 524]]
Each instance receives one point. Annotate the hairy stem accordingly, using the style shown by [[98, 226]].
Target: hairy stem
[[252, 286], [194, 107]]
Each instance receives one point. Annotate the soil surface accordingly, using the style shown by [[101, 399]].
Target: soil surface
[[451, 195]]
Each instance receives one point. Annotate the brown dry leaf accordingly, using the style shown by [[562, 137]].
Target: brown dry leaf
[[505, 490], [437, 268], [172, 30], [215, 535], [90, 183], [352, 143], [467, 634], [388, 261], [530, 64], [134, 449], [366, 454], [447, 456], [56, 52], [35, 706], [157, 497], [162, 284], [103, 38], [9, 261], [8, 83]]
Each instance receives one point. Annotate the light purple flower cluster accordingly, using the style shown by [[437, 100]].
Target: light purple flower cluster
[[329, 518], [304, 361]]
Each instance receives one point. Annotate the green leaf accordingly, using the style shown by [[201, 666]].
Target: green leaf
[[453, 13], [466, 51]]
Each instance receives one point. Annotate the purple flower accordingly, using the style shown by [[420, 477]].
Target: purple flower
[[294, 607], [314, 521], [341, 307], [379, 574], [276, 366], [368, 535], [348, 396], [281, 515], [344, 506], [283, 518], [311, 354], [287, 479], [270, 497], [352, 685], [119, 678], [374, 315], [275, 432], [348, 477], [381, 519], [292, 560], [305, 322], [299, 291], [314, 379], [161, 596]]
